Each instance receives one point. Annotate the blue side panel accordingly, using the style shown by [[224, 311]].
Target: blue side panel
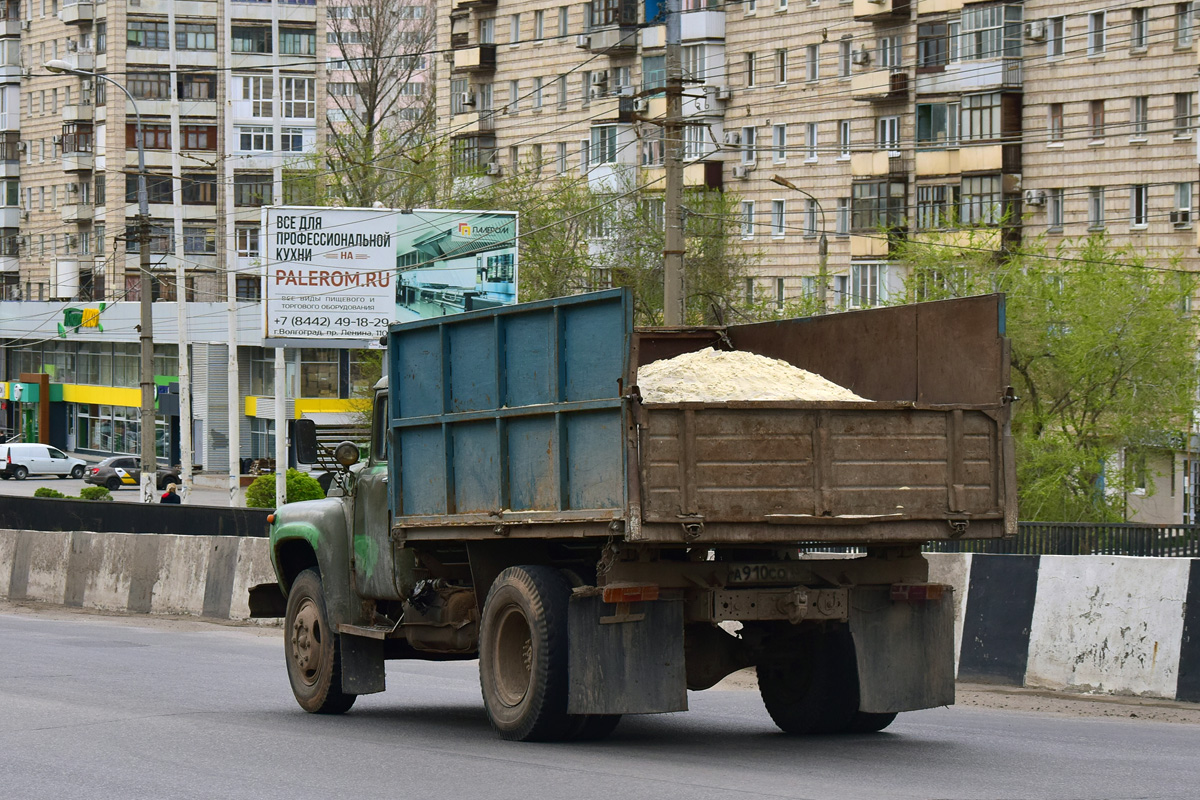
[[473, 379], [476, 467], [419, 380], [531, 373], [595, 454], [423, 470], [533, 459], [517, 408], [590, 365]]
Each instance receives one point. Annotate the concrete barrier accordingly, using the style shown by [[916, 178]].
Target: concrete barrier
[[206, 576]]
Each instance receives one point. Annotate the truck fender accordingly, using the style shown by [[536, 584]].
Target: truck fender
[[313, 534]]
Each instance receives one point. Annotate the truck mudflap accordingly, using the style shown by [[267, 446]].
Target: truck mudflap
[[904, 645], [625, 658]]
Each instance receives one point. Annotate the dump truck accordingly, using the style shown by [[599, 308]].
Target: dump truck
[[601, 555]]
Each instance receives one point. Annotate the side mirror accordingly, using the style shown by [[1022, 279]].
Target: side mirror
[[304, 434]]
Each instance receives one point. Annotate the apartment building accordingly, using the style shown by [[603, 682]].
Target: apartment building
[[884, 113], [228, 94]]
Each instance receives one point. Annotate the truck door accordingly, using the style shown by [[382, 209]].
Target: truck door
[[376, 557]]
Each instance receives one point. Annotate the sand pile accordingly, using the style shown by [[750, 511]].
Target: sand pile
[[714, 376]]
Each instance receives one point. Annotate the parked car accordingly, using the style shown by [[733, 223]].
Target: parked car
[[19, 460], [117, 471]]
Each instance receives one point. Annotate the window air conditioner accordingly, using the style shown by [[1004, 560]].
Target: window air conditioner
[[724, 93], [72, 46], [641, 105], [583, 42], [861, 57], [741, 171], [595, 92], [599, 78], [1035, 30], [25, 24], [1035, 197], [493, 168], [466, 98], [56, 140], [73, 188], [1181, 217], [24, 216], [22, 146], [733, 137]]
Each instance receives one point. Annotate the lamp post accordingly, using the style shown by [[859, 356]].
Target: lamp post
[[822, 244], [149, 457]]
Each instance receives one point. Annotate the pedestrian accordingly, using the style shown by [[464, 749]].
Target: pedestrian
[[171, 495]]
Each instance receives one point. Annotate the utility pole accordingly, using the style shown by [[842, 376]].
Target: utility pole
[[673, 298]]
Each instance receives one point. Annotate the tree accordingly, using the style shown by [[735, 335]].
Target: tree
[[1103, 359], [382, 146], [300, 486]]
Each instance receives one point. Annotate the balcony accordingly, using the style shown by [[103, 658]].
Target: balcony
[[77, 212], [1003, 158], [869, 246], [702, 25], [82, 59], [76, 13], [614, 40], [971, 76], [880, 163], [881, 9], [480, 58], [10, 27], [471, 123], [78, 112], [937, 162], [10, 217], [705, 174], [880, 85], [611, 108], [467, 5], [77, 162]]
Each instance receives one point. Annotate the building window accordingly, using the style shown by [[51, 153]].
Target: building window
[[1183, 24], [262, 437], [980, 117], [692, 58], [990, 32], [199, 240], [147, 34], [1139, 115], [1054, 36], [318, 372], [299, 98], [842, 222], [1139, 216], [937, 124], [779, 143], [537, 92], [875, 205], [749, 153], [1055, 122], [750, 64], [933, 45], [252, 139], [1054, 209], [778, 218], [781, 65], [247, 242], [199, 137], [149, 85], [539, 25], [888, 134], [197, 86], [937, 206], [747, 219], [258, 90], [1096, 40], [845, 57], [812, 62], [154, 137], [297, 41], [867, 285], [604, 144], [1183, 114], [560, 158], [1095, 208], [199, 189], [811, 211], [291, 140], [514, 28], [1137, 29], [252, 189], [980, 201], [844, 138], [250, 39], [487, 31], [888, 50], [1096, 118], [158, 189], [249, 287], [1183, 203], [563, 17], [195, 36], [810, 142]]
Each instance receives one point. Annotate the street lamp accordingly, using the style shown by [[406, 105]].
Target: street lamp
[[822, 245], [149, 456]]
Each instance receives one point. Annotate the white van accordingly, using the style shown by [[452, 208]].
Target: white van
[[20, 460]]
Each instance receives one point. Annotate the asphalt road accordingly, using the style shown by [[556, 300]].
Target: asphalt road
[[97, 707]]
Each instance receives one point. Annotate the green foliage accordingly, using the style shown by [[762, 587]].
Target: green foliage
[[300, 486], [95, 493], [1103, 360], [46, 491]]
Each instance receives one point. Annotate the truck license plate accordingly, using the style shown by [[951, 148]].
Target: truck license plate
[[777, 572]]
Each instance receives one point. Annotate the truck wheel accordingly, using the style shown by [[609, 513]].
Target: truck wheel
[[805, 692], [862, 722], [523, 654], [846, 693], [313, 657], [592, 727]]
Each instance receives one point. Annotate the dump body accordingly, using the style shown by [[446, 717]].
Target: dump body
[[526, 422]]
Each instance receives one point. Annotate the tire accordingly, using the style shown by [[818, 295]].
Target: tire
[[113, 483], [842, 653], [592, 727], [311, 649], [863, 722], [523, 654], [77, 472], [19, 472], [811, 690]]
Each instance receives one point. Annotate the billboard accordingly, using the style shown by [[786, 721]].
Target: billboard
[[347, 273]]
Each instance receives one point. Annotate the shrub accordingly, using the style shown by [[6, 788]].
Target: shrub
[[46, 491], [95, 493], [300, 486]]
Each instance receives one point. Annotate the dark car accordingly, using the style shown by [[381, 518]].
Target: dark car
[[117, 471]]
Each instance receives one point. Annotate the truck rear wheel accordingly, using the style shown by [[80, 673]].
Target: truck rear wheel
[[843, 653], [313, 657], [523, 654], [805, 691]]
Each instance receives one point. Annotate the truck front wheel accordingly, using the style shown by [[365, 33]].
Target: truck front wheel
[[313, 658], [523, 654]]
